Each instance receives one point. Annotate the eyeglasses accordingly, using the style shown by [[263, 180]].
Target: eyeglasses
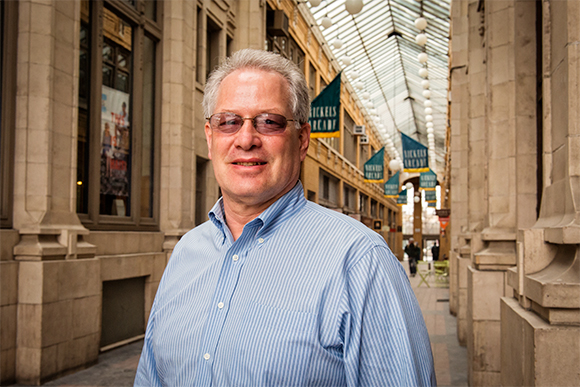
[[265, 123]]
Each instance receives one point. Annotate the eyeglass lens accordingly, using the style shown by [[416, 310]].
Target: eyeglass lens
[[267, 123]]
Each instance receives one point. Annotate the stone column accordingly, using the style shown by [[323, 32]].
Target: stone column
[[459, 147], [58, 276], [177, 194], [251, 24], [510, 181], [541, 322]]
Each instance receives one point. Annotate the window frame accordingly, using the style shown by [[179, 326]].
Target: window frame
[[9, 48], [141, 27]]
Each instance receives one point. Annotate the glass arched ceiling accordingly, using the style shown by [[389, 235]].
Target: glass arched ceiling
[[380, 40]]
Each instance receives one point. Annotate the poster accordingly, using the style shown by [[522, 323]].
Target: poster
[[115, 143]]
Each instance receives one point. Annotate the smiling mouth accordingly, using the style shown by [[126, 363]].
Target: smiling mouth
[[249, 164]]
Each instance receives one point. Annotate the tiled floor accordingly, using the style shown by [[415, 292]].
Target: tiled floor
[[117, 367], [450, 358]]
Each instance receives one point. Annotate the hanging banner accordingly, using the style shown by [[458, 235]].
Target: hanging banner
[[432, 205], [374, 168], [324, 111], [428, 180], [431, 196], [443, 222], [415, 157], [392, 186], [402, 198]]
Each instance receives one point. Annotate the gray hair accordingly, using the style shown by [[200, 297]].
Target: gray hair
[[266, 61]]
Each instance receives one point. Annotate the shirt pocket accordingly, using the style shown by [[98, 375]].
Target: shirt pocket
[[275, 345]]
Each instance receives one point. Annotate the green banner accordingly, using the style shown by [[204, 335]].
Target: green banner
[[392, 186], [428, 180], [433, 205], [324, 111], [415, 157], [374, 168], [431, 196], [402, 198]]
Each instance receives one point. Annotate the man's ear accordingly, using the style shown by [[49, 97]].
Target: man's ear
[[208, 138], [304, 140]]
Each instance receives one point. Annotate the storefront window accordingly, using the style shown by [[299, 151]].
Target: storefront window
[[117, 126]]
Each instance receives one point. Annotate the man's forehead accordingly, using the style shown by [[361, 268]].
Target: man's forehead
[[251, 74]]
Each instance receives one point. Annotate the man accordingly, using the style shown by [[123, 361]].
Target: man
[[274, 290], [414, 253], [435, 250]]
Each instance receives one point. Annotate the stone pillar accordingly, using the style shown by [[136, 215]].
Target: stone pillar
[[177, 137], [459, 146], [251, 24], [59, 286], [418, 220], [510, 181], [541, 322]]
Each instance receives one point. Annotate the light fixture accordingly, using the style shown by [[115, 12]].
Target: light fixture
[[326, 22], [359, 85], [429, 118], [353, 74], [416, 199], [431, 136], [422, 57], [366, 95], [429, 124], [427, 93], [370, 105], [430, 130], [409, 185], [314, 3], [353, 6], [423, 72], [421, 23], [425, 83], [346, 60], [427, 103], [394, 165], [428, 110], [337, 43], [421, 39]]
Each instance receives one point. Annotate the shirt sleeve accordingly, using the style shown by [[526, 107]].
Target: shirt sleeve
[[147, 369], [386, 342]]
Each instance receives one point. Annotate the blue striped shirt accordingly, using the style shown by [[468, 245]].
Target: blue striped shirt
[[305, 296]]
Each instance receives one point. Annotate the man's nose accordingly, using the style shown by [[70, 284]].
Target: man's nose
[[247, 137]]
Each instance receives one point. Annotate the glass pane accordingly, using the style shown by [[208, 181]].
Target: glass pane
[[123, 59], [115, 171], [107, 53], [107, 75], [147, 135], [83, 113], [122, 82], [151, 9]]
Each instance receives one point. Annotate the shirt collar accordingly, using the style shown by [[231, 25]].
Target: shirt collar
[[280, 210]]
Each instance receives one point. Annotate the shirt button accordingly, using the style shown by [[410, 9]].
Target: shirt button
[[220, 305], [206, 356], [235, 257], [261, 240]]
